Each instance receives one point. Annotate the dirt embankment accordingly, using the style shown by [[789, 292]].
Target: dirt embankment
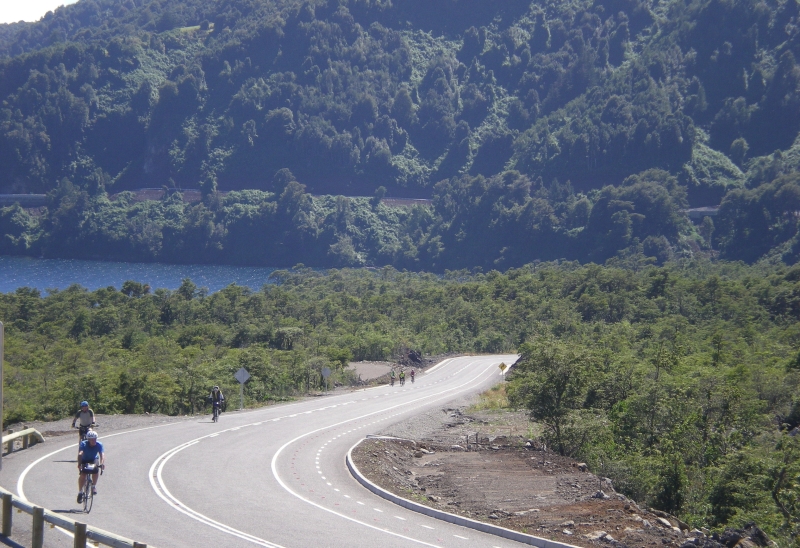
[[509, 481]]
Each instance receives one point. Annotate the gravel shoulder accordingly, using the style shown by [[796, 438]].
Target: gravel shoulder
[[487, 466]]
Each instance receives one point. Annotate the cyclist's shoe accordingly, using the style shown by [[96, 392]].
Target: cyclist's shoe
[[80, 497], [94, 490]]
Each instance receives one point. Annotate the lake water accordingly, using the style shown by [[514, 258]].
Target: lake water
[[44, 274]]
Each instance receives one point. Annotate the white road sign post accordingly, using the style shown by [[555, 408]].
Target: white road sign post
[[242, 375]]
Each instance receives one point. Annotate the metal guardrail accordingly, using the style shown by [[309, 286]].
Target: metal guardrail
[[30, 436], [82, 532]]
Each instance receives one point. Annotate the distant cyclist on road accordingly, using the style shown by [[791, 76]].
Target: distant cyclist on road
[[86, 418], [91, 451], [217, 399], [392, 377], [412, 376], [402, 378]]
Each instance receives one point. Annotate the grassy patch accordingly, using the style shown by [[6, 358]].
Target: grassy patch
[[493, 399]]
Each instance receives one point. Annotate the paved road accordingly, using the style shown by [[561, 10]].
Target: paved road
[[271, 477]]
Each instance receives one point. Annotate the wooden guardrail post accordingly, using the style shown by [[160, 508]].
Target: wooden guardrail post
[[139, 545], [7, 513], [80, 535], [37, 535]]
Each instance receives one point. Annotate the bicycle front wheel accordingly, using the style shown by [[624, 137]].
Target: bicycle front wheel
[[88, 497]]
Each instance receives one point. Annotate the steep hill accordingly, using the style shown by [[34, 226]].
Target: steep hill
[[352, 95]]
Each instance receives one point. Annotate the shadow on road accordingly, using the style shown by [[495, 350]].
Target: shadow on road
[[71, 511], [73, 461], [9, 542]]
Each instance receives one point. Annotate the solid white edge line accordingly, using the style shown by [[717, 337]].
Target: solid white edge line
[[23, 475], [441, 363], [170, 499], [405, 404], [21, 479]]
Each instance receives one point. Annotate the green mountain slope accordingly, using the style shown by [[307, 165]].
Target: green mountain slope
[[354, 95]]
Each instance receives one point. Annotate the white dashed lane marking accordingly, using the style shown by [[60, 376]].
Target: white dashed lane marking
[[335, 438]]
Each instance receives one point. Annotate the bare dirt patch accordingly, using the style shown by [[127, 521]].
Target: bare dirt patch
[[366, 371], [509, 480], [376, 372]]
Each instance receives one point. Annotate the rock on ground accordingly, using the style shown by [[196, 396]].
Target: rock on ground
[[482, 465]]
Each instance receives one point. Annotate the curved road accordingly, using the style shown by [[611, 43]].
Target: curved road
[[271, 477]]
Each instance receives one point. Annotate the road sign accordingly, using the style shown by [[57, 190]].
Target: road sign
[[326, 372], [242, 375], [502, 367]]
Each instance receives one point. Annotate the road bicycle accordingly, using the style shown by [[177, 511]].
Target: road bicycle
[[215, 411], [87, 493], [83, 430]]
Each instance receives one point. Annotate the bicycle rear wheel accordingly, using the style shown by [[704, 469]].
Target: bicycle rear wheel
[[88, 497]]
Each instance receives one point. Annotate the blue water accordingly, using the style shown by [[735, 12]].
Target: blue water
[[44, 274]]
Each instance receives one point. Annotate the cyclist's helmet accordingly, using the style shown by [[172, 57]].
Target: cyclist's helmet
[[84, 403], [91, 434], [216, 388]]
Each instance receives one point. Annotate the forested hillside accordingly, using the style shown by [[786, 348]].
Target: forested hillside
[[533, 114], [680, 383]]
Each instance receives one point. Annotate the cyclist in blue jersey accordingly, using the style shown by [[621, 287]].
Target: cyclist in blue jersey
[[91, 451]]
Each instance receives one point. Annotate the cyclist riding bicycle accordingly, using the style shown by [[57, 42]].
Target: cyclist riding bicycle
[[392, 377], [402, 378], [412, 376], [216, 397], [86, 418], [91, 452]]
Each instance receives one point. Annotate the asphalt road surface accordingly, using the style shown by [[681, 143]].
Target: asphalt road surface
[[271, 477]]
